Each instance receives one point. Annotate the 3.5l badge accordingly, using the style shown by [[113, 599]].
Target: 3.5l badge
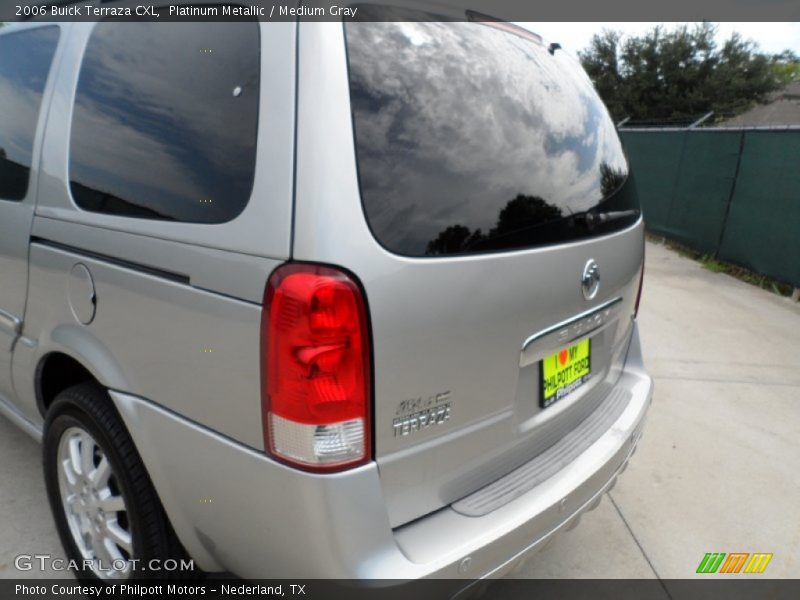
[[424, 413]]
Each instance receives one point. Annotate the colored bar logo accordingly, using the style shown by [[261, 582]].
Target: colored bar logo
[[714, 562]]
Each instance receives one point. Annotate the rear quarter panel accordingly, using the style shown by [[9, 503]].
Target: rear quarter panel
[[192, 351]]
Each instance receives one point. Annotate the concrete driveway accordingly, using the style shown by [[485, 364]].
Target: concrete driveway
[[717, 470]]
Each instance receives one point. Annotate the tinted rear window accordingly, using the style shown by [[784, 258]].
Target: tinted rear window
[[25, 59], [165, 118], [474, 139]]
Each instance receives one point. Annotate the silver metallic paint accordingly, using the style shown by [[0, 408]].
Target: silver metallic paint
[[263, 228], [199, 433], [436, 320], [81, 294], [227, 266], [549, 341], [10, 323], [336, 526], [15, 226], [179, 332]]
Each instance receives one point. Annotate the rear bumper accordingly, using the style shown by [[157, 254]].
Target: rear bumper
[[236, 510]]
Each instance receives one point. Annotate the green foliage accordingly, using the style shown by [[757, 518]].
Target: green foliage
[[713, 265], [681, 73], [785, 67]]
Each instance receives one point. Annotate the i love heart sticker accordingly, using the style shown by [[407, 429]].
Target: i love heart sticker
[[563, 356]]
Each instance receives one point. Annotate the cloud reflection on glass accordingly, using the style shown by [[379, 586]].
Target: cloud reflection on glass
[[158, 131], [25, 59], [470, 138]]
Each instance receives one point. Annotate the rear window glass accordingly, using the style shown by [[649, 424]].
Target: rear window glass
[[470, 138], [25, 59], [164, 125]]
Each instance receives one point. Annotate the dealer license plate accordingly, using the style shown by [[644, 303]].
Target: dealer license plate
[[565, 371]]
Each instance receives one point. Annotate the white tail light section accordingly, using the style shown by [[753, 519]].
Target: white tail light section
[[321, 445]]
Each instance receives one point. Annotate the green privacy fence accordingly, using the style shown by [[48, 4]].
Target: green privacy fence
[[732, 193]]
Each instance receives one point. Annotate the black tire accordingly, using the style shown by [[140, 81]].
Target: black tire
[[88, 407]]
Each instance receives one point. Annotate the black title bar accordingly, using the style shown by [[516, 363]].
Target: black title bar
[[509, 10]]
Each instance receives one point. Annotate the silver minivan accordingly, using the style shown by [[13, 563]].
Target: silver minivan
[[315, 299]]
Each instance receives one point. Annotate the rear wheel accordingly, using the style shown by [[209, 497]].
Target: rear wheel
[[107, 513]]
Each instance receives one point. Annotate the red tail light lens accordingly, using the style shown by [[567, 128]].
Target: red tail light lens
[[315, 366]]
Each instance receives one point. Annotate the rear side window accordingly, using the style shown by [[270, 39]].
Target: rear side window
[[25, 59], [472, 138], [165, 120]]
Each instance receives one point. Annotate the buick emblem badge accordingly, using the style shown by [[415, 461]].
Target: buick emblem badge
[[590, 282]]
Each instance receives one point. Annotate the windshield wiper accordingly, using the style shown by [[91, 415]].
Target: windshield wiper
[[592, 218], [589, 219]]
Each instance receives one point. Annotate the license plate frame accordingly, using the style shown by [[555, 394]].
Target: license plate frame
[[563, 372]]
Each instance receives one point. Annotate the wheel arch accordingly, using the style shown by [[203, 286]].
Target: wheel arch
[[73, 356]]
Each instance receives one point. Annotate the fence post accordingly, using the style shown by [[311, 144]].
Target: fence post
[[730, 195], [702, 120]]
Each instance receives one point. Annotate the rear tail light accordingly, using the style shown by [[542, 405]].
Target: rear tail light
[[315, 369]]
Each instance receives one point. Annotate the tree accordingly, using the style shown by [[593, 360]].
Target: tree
[[454, 239], [602, 64], [786, 67], [520, 213], [678, 73]]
